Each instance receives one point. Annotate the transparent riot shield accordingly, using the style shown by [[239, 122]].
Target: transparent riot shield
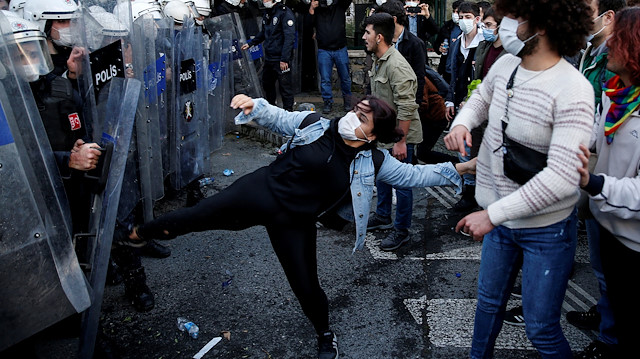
[[110, 97], [219, 88], [241, 68], [165, 91], [190, 108], [120, 102], [42, 282], [148, 133]]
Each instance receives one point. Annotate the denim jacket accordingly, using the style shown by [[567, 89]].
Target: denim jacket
[[362, 170]]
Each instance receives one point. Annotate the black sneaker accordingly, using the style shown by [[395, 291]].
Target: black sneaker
[[589, 320], [155, 250], [137, 291], [514, 316], [379, 222], [395, 239], [595, 350], [327, 346], [326, 108]]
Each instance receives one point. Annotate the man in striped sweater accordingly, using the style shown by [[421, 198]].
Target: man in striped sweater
[[548, 107]]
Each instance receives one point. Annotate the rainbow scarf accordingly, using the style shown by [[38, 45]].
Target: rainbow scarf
[[624, 101]]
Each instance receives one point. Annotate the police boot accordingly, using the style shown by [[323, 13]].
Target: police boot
[[468, 200], [136, 290], [194, 193]]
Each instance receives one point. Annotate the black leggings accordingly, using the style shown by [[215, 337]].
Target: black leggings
[[246, 203]]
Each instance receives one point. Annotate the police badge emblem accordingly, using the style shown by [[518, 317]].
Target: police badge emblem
[[290, 22], [275, 20]]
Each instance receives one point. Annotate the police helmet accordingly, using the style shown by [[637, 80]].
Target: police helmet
[[28, 47]]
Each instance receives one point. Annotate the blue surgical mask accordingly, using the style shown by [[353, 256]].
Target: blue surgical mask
[[489, 35]]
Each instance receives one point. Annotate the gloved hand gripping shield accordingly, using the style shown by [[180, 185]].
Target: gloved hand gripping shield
[[37, 257]]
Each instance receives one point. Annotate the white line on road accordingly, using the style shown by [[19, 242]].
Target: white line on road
[[438, 197]]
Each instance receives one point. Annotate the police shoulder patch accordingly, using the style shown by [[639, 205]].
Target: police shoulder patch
[[275, 20], [290, 22]]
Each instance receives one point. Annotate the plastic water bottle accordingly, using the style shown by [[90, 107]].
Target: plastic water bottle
[[206, 181], [445, 46], [187, 326]]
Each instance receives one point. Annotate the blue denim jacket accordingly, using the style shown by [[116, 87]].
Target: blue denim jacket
[[362, 171]]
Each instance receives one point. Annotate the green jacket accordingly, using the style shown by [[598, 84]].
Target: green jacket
[[594, 68], [393, 80]]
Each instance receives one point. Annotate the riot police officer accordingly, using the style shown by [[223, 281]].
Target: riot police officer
[[54, 19], [278, 35]]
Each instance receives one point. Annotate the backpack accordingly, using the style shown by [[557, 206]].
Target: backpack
[[437, 80]]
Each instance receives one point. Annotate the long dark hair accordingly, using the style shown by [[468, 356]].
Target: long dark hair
[[384, 119]]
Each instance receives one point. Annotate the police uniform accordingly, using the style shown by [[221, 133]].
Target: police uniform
[[278, 34], [59, 108]]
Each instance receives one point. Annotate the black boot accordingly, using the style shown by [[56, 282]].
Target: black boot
[[136, 290], [155, 250], [468, 201]]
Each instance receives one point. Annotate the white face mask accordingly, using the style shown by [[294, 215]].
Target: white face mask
[[591, 36], [380, 2], [66, 39], [508, 33], [268, 5], [455, 17], [31, 72], [466, 25], [412, 4], [348, 125]]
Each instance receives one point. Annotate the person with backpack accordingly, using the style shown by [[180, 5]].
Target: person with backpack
[[327, 170]]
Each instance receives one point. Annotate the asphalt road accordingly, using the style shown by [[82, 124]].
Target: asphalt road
[[418, 302]]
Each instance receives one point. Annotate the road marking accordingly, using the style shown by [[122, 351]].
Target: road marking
[[450, 199], [450, 323], [416, 307], [374, 247], [438, 197], [464, 253], [582, 292]]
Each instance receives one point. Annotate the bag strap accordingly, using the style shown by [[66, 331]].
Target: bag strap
[[378, 158], [310, 119]]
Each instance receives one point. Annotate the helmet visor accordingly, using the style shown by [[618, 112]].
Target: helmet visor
[[33, 53]]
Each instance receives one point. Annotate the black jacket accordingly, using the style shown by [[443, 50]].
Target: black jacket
[[414, 51], [329, 22], [278, 33]]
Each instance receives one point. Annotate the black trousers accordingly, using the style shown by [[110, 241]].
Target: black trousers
[[272, 73], [249, 202], [620, 267]]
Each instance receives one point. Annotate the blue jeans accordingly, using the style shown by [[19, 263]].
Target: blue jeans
[[326, 59], [404, 195], [547, 256], [607, 333]]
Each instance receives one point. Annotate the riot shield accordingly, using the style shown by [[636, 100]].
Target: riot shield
[[190, 109], [165, 99], [110, 96], [148, 133], [219, 87], [241, 68], [42, 282]]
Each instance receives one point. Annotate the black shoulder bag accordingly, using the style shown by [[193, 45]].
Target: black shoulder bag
[[520, 162]]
